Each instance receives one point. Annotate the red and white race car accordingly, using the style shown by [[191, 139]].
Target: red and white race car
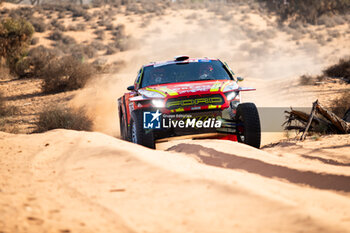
[[198, 97]]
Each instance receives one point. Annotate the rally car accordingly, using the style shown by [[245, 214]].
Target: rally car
[[187, 96]]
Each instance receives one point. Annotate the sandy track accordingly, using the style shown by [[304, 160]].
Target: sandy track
[[67, 181]]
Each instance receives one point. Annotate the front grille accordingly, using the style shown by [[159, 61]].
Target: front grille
[[194, 101]]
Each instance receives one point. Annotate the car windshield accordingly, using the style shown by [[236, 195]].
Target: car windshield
[[184, 72]]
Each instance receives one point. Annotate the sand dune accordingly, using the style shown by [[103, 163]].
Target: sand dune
[[88, 182]]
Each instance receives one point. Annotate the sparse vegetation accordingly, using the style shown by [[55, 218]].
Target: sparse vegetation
[[306, 80], [63, 118], [307, 11], [65, 74], [15, 37], [340, 70], [38, 24], [340, 105], [5, 109], [34, 63]]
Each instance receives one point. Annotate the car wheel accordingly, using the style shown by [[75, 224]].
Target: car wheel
[[138, 134], [123, 128], [248, 125]]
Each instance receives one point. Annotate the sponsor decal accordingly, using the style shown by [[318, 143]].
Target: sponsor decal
[[152, 120], [155, 120]]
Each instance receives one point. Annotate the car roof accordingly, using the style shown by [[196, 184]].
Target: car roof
[[162, 63]]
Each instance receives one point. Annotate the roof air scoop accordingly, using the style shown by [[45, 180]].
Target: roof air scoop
[[182, 58]]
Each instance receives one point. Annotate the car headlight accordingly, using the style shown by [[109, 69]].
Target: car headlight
[[158, 103], [150, 94], [231, 95], [231, 87]]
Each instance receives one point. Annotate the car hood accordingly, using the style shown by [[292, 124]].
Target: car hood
[[191, 88]]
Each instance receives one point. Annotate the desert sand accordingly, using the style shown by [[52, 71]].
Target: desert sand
[[69, 181]]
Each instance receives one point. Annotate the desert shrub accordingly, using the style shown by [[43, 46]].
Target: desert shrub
[[61, 40], [61, 15], [120, 40], [306, 80], [2, 105], [98, 45], [5, 109], [307, 11], [340, 105], [340, 70], [100, 34], [111, 50], [15, 36], [22, 12], [58, 25], [72, 28], [77, 11], [63, 118], [109, 27], [38, 24], [81, 52], [68, 40], [65, 74], [34, 63], [326, 20], [56, 35]]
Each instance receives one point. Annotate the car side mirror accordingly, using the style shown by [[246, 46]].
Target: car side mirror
[[240, 79], [131, 88]]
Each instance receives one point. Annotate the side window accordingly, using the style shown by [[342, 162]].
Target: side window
[[139, 77], [229, 70]]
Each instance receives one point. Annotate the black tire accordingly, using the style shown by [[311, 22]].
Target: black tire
[[122, 123], [123, 128], [138, 134], [248, 125]]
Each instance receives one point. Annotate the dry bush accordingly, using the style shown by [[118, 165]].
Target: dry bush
[[98, 45], [5, 109], [2, 105], [109, 27], [307, 11], [100, 34], [23, 12], [15, 36], [56, 35], [83, 51], [65, 74], [8, 126], [111, 50], [340, 105], [61, 118], [38, 24], [34, 63], [340, 70], [326, 20], [306, 80], [58, 25]]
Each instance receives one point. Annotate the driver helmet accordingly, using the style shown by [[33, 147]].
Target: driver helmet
[[157, 75], [206, 70]]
